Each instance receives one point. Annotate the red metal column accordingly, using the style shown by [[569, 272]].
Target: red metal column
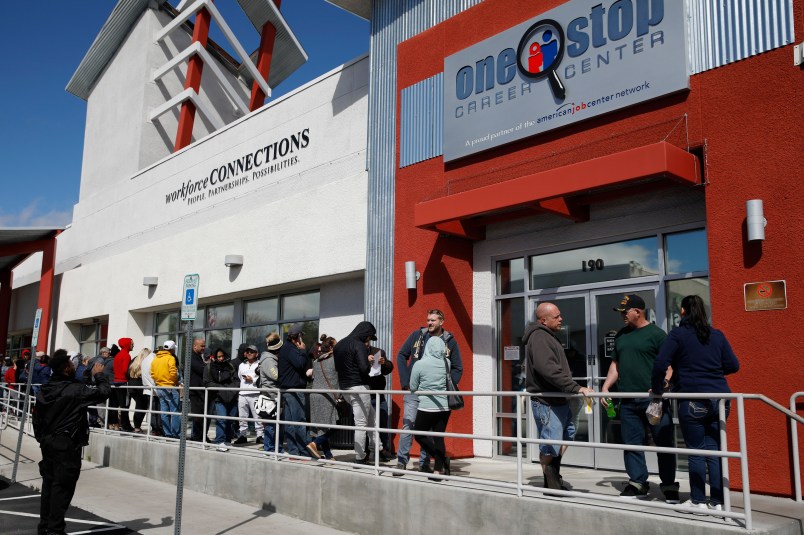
[[195, 66], [46, 293], [267, 40], [6, 277]]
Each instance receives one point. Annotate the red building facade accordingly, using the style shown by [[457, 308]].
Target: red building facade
[[734, 135]]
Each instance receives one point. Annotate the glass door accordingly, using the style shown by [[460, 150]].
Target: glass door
[[604, 326], [574, 337]]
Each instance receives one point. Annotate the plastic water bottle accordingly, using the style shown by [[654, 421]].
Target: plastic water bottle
[[611, 412]]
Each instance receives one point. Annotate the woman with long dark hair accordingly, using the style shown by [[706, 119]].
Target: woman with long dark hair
[[701, 357]]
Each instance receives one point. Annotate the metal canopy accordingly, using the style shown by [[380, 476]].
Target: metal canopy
[[16, 244]]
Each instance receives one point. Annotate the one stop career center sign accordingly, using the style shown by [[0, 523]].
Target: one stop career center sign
[[575, 62]]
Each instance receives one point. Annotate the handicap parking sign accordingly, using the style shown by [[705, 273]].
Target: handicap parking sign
[[189, 304]]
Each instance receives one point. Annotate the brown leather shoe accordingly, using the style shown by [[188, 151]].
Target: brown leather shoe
[[313, 449]]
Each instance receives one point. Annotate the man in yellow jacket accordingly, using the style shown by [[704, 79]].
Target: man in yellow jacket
[[165, 373]]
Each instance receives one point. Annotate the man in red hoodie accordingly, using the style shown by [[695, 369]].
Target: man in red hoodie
[[119, 398]]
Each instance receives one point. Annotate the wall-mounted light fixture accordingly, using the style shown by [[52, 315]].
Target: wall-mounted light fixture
[[233, 260], [755, 220], [150, 281], [411, 275]]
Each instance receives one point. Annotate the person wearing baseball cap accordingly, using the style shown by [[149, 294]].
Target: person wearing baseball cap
[[635, 349], [165, 373]]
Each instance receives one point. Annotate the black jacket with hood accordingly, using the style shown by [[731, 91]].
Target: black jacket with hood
[[351, 356], [60, 414], [547, 367], [221, 374]]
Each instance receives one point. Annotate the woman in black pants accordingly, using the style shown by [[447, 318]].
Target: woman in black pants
[[430, 374], [135, 379]]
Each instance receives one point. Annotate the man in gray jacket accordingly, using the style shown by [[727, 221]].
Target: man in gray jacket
[[548, 371]]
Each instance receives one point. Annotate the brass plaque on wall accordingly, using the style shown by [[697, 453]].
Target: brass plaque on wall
[[768, 295]]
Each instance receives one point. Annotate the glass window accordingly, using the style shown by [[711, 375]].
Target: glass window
[[256, 335], [220, 316], [309, 333], [511, 276], [300, 306], [167, 322], [678, 290], [612, 261], [686, 252], [261, 311], [92, 338], [219, 339]]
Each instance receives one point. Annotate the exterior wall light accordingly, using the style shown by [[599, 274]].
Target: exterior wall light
[[150, 281], [411, 275], [233, 260], [755, 220]]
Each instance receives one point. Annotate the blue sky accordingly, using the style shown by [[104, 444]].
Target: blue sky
[[42, 127]]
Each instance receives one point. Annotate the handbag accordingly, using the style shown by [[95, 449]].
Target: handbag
[[265, 407], [454, 401]]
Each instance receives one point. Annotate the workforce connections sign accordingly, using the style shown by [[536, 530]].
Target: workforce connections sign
[[577, 61]]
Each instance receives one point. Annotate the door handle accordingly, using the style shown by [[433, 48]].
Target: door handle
[[591, 360]]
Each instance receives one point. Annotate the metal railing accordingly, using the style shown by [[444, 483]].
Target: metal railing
[[521, 487]]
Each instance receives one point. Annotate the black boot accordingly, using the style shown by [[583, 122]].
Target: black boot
[[556, 463]]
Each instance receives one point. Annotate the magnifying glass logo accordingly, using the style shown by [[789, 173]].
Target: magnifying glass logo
[[540, 52]]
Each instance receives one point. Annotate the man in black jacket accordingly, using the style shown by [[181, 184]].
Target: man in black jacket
[[548, 371], [293, 372], [61, 427], [352, 363]]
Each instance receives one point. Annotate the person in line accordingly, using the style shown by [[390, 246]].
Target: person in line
[[249, 376], [41, 371], [219, 373], [119, 400], [269, 378], [701, 357], [165, 374], [380, 381], [61, 428], [135, 390], [410, 352], [293, 373], [635, 348], [352, 364], [155, 423], [430, 374], [323, 407], [548, 371], [197, 366], [10, 378]]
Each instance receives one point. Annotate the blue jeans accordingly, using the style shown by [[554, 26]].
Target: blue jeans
[[294, 412], [322, 444], [225, 429], [169, 402], [269, 435], [411, 408], [632, 425], [553, 422], [700, 424]]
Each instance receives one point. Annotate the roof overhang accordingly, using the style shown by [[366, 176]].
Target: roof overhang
[[361, 8], [16, 244], [563, 191]]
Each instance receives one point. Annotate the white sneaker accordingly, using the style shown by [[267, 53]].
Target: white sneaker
[[689, 503], [716, 507], [222, 447]]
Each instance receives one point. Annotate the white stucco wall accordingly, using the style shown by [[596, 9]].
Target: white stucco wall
[[120, 139], [301, 226]]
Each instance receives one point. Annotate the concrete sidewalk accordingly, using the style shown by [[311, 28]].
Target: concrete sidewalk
[[147, 506]]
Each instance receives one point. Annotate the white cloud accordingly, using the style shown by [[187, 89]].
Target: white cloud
[[34, 216]]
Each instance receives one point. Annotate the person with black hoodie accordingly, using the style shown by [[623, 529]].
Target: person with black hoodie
[[220, 373], [352, 364], [62, 429]]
